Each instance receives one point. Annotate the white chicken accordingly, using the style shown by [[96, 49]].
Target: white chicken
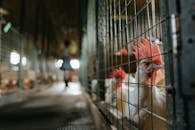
[[150, 91], [120, 89], [109, 85], [143, 99], [116, 86]]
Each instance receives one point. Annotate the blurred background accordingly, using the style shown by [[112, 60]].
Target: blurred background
[[36, 36], [42, 33]]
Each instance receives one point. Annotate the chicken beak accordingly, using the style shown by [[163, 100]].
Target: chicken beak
[[155, 77]]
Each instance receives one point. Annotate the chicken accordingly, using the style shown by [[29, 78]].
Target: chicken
[[135, 97], [122, 52], [119, 76], [122, 58], [126, 94], [116, 90], [149, 76], [93, 89], [109, 90], [110, 81]]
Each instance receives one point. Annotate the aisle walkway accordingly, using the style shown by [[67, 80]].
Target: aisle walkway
[[50, 108]]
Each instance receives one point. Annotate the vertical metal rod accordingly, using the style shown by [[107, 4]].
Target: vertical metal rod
[[114, 16], [1, 20], [111, 35], [0, 37], [97, 32], [128, 49], [150, 35], [136, 19], [107, 38], [36, 27], [115, 29], [120, 25], [136, 35], [120, 46], [101, 23], [105, 41], [141, 23], [22, 14], [20, 71], [127, 27], [169, 69], [111, 42], [153, 16]]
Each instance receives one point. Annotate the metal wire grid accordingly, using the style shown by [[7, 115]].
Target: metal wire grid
[[83, 123], [101, 32], [10, 42], [13, 41], [119, 23], [7, 46], [77, 127]]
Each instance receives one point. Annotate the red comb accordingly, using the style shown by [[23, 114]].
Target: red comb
[[143, 51], [118, 73], [122, 52]]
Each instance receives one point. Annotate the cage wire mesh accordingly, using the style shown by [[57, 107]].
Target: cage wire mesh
[[129, 100], [10, 59], [16, 73]]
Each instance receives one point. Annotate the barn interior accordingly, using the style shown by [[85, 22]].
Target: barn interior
[[97, 64]]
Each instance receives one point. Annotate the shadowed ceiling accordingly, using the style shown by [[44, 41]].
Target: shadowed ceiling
[[55, 20]]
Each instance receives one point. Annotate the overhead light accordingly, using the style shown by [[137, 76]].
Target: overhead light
[[14, 58], [58, 63], [7, 27], [75, 64]]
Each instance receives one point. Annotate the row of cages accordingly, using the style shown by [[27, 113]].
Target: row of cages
[[134, 73], [28, 71]]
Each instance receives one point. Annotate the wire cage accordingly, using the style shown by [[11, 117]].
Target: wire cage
[[10, 59], [25, 72], [127, 33]]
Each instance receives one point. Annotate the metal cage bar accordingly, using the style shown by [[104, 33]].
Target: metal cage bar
[[19, 63], [161, 22], [124, 23]]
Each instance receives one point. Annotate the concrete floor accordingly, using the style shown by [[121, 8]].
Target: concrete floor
[[51, 107]]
